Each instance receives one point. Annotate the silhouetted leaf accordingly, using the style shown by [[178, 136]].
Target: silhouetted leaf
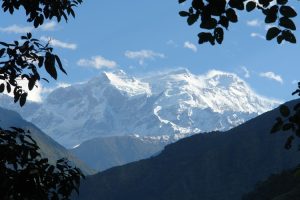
[[198, 4], [289, 36], [224, 22], [2, 51], [251, 5], [205, 37], [296, 92], [31, 83], [238, 4], [210, 23], [23, 98], [272, 33], [4, 44], [288, 11], [40, 61], [8, 88], [287, 23], [277, 126], [60, 64], [271, 18], [282, 2], [231, 15], [29, 35], [184, 13], [2, 87], [287, 126], [284, 110], [192, 19], [289, 142], [50, 65], [280, 39], [219, 34]]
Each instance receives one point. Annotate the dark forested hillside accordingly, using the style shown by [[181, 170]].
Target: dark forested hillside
[[215, 166], [283, 186]]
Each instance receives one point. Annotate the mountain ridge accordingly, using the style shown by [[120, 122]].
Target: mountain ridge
[[175, 103], [105, 152], [203, 166], [48, 147]]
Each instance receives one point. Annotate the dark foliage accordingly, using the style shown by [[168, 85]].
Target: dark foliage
[[215, 16], [39, 10], [24, 60], [26, 175], [289, 122], [283, 186]]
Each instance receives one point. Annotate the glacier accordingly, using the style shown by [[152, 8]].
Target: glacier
[[169, 105]]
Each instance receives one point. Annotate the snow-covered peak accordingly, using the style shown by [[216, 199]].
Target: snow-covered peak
[[132, 86], [216, 90], [162, 107]]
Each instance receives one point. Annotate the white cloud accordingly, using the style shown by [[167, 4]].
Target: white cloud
[[58, 43], [97, 62], [190, 45], [142, 55], [246, 72], [16, 29], [272, 76], [254, 23], [257, 35], [49, 26], [39, 92], [34, 95], [63, 85]]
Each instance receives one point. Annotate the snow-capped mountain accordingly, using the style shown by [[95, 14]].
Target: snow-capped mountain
[[170, 105]]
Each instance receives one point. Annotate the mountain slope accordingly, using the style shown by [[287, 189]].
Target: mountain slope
[[106, 152], [48, 147], [205, 166], [176, 103], [283, 186]]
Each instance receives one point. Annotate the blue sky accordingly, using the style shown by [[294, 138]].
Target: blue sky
[[144, 37]]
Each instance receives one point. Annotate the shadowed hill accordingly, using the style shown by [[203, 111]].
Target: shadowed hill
[[48, 147], [215, 166], [106, 152], [283, 186]]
